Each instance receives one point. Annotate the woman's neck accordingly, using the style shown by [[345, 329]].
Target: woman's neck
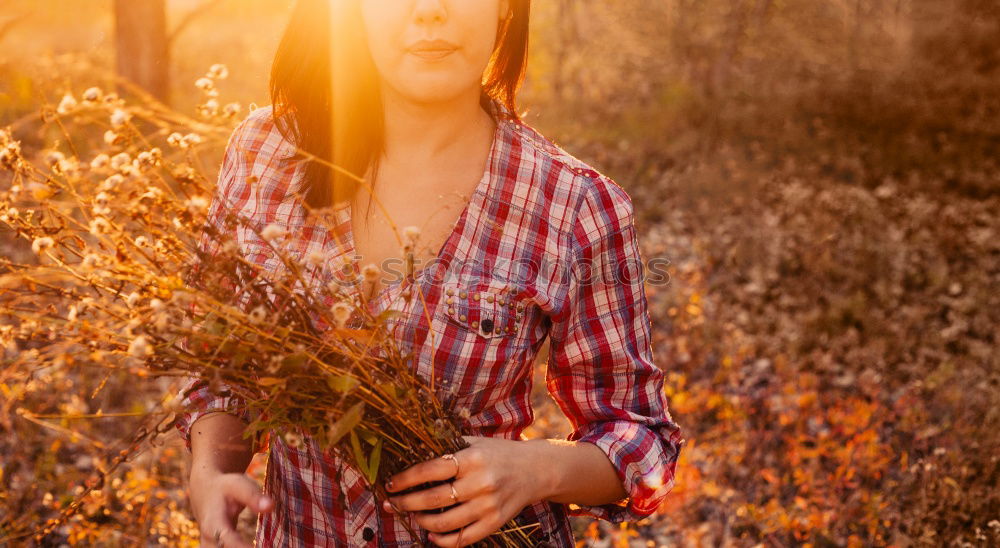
[[418, 135]]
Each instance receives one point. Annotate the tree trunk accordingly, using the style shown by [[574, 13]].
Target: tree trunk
[[142, 45]]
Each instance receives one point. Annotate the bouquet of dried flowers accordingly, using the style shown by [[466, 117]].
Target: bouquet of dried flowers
[[131, 268]]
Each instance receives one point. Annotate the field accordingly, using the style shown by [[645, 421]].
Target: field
[[821, 176]]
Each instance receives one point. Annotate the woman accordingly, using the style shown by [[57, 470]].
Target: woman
[[429, 108]]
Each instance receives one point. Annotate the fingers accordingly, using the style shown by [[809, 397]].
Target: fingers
[[436, 469], [467, 535], [239, 488], [438, 496], [227, 538], [455, 518]]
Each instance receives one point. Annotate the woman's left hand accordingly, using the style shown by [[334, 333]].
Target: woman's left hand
[[496, 479]]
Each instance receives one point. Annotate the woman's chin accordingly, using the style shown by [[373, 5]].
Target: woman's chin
[[431, 90]]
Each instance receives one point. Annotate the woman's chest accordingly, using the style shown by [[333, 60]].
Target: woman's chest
[[472, 320]]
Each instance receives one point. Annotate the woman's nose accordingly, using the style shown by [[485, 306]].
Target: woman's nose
[[430, 11]]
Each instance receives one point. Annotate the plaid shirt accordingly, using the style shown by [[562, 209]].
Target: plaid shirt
[[499, 286]]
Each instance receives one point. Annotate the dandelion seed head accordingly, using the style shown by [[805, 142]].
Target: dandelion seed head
[[204, 83], [71, 316], [152, 193], [90, 261], [100, 161], [120, 160], [10, 152], [92, 95], [175, 139], [370, 272], [257, 315], [273, 232], [99, 225], [161, 321], [141, 241], [42, 244], [132, 299], [119, 118], [341, 313], [411, 233], [111, 137], [53, 157], [293, 440], [67, 104], [157, 305], [112, 182], [192, 139], [196, 204], [218, 71], [209, 108], [140, 347], [315, 257], [146, 159], [102, 198], [232, 109]]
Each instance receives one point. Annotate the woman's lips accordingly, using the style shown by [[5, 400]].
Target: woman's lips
[[432, 53]]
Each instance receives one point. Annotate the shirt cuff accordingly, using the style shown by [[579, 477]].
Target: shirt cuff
[[645, 457], [196, 396]]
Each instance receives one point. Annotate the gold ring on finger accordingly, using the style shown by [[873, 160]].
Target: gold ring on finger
[[454, 459]]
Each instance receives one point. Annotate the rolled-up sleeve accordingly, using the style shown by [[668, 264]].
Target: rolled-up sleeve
[[601, 371], [197, 395]]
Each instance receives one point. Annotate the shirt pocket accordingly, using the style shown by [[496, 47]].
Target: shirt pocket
[[483, 337]]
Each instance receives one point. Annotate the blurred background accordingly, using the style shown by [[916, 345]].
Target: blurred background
[[822, 176]]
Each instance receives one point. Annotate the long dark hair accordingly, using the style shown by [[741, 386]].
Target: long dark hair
[[340, 120]]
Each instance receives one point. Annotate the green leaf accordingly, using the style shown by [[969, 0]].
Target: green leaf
[[346, 423], [294, 361], [373, 461], [271, 381], [342, 383], [359, 455], [390, 390], [241, 357], [368, 436]]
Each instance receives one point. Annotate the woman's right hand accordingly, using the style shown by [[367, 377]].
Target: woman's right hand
[[217, 499]]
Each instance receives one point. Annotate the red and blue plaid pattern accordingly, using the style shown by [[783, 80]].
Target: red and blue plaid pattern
[[546, 247]]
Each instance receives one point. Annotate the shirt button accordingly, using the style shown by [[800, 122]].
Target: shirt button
[[368, 534], [487, 325]]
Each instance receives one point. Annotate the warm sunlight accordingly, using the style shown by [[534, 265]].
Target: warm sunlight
[[515, 273]]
